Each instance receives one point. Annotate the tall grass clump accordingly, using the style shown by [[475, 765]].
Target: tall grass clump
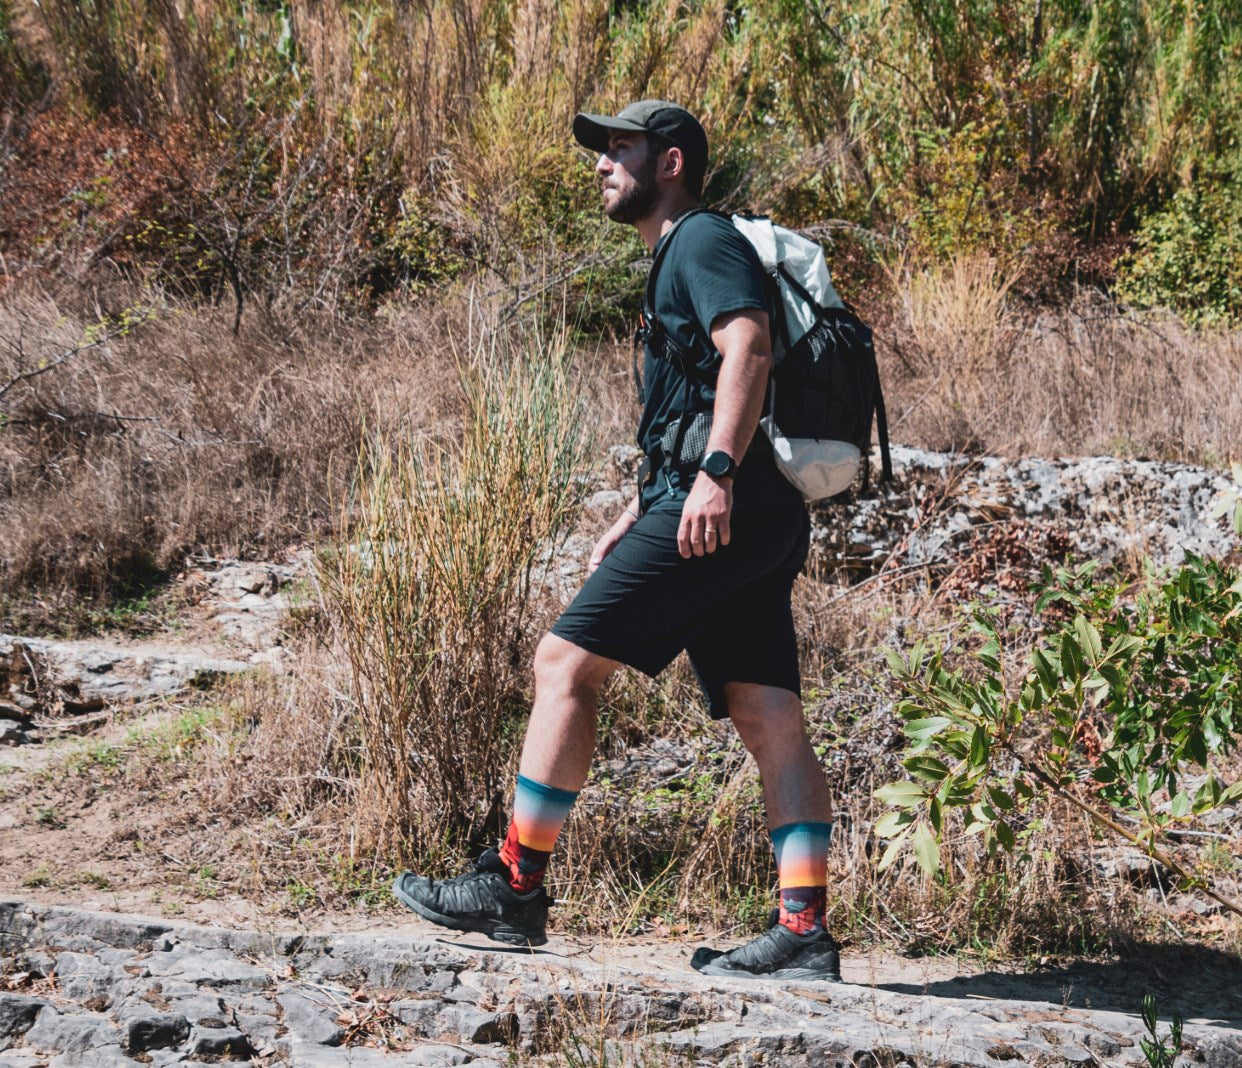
[[436, 582]]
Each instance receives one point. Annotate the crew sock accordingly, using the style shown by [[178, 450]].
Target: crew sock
[[802, 865], [539, 812]]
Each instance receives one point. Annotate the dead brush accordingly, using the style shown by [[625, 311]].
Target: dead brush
[[1050, 898], [954, 328], [967, 369], [432, 583], [175, 434]]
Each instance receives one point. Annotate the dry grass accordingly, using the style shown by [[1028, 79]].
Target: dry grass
[[969, 368], [180, 436], [431, 587]]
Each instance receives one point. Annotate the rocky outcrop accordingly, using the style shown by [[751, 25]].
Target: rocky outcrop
[[1106, 509], [50, 686], [942, 509], [96, 989]]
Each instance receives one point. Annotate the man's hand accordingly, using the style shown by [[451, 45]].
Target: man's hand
[[705, 516], [612, 535]]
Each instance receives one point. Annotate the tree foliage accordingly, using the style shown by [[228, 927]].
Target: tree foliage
[[1032, 130]]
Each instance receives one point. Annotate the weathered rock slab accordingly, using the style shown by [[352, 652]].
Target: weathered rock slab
[[184, 994]]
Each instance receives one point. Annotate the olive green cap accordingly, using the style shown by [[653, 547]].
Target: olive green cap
[[668, 122]]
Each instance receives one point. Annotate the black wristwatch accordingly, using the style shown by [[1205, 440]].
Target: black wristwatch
[[719, 464]]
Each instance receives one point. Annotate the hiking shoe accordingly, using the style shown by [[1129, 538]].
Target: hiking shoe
[[778, 953], [481, 900]]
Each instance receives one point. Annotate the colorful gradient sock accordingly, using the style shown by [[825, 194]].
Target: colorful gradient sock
[[539, 811], [802, 864]]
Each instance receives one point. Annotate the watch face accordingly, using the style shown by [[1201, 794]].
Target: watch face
[[717, 463]]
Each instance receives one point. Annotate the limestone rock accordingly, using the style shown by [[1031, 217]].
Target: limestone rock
[[17, 1015], [150, 1031]]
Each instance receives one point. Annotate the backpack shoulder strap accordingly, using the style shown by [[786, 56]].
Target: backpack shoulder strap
[[650, 329], [658, 261]]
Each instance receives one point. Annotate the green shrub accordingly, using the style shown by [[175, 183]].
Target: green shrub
[[1122, 713], [1188, 254]]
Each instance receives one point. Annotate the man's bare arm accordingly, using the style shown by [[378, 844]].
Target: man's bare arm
[[743, 341]]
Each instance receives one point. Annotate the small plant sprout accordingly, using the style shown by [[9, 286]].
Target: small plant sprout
[[1160, 1051], [1229, 502]]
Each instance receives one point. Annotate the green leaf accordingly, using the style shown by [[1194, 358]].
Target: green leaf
[[892, 823], [897, 664], [979, 746], [1231, 793], [1196, 745], [902, 794], [1088, 639], [1005, 833], [1000, 799], [925, 767], [893, 850], [1047, 669], [1124, 646], [919, 730], [926, 849], [1180, 805], [982, 813], [1208, 796], [989, 654], [1071, 656]]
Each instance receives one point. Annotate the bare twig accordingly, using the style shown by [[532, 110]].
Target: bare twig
[[119, 330]]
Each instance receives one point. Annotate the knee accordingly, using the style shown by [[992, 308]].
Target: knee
[[766, 719], [562, 667]]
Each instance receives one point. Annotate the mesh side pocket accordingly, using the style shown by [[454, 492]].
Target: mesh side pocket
[[693, 445], [821, 389]]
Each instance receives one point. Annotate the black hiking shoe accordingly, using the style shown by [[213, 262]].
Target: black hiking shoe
[[778, 953], [481, 900]]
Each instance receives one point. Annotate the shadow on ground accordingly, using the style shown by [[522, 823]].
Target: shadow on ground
[[1198, 982]]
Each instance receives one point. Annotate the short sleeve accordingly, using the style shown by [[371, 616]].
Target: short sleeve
[[719, 271]]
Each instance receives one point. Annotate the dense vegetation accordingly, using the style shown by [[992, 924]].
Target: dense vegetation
[[341, 153], [315, 274]]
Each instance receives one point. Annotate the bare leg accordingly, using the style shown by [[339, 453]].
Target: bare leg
[[771, 725], [560, 738]]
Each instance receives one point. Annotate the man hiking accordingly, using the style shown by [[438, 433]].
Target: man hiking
[[702, 559]]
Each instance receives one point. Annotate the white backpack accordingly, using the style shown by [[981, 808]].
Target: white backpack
[[825, 388]]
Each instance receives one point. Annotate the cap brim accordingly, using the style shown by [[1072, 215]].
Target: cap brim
[[593, 131]]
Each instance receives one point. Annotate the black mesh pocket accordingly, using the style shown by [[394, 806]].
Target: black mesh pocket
[[824, 387], [693, 445]]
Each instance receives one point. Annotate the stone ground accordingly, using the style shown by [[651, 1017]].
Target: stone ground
[[88, 988], [96, 989]]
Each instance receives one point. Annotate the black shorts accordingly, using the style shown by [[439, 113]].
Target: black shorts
[[730, 609]]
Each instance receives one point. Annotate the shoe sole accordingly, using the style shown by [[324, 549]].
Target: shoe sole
[[802, 974], [496, 930], [706, 962]]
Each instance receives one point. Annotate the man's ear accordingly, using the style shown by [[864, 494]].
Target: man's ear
[[673, 164]]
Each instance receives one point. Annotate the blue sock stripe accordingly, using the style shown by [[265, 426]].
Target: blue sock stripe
[[817, 836], [552, 794], [779, 834]]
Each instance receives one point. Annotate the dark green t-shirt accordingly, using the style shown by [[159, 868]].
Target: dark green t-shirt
[[708, 270]]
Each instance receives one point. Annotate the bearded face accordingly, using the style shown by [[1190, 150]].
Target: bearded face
[[629, 185]]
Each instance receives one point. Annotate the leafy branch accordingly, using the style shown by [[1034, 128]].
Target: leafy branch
[[1108, 715]]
